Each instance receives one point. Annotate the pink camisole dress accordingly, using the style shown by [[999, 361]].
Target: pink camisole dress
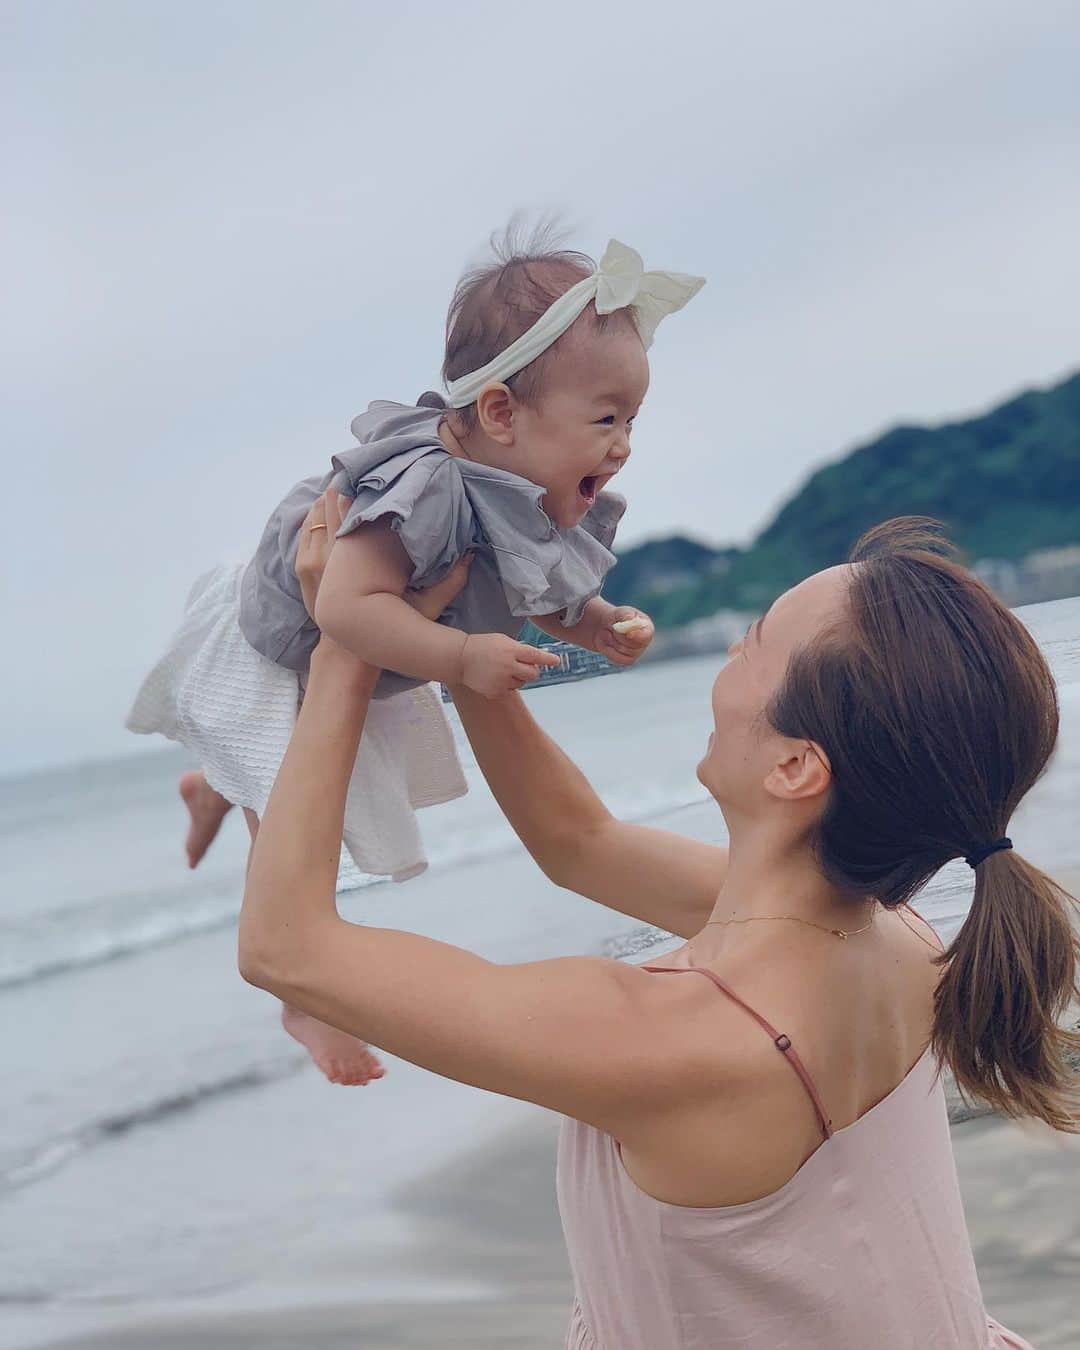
[[864, 1248]]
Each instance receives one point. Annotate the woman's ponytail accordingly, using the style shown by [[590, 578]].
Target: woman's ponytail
[[1008, 978], [938, 713]]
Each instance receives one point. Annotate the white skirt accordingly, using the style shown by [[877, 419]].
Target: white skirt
[[235, 711]]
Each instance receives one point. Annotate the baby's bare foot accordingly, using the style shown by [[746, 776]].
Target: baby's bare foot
[[342, 1057], [208, 809]]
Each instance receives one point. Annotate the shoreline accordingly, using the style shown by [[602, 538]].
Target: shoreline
[[290, 1215], [468, 1252], [461, 1250], [491, 1214]]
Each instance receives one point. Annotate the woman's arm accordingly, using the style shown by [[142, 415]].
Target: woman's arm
[[654, 875], [576, 1035]]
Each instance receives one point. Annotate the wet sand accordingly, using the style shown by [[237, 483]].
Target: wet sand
[[483, 1264], [491, 1217], [485, 1227]]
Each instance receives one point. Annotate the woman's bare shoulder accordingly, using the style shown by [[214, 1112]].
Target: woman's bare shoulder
[[922, 928]]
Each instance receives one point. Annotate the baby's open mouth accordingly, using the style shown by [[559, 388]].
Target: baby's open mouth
[[588, 488]]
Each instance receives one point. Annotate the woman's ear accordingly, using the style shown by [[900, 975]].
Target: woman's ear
[[495, 413], [803, 772]]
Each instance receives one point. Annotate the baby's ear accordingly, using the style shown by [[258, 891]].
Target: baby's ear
[[495, 413]]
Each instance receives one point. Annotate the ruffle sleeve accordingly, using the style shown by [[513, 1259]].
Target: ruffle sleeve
[[543, 569], [424, 498], [442, 507]]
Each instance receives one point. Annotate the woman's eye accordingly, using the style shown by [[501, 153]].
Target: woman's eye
[[608, 421]]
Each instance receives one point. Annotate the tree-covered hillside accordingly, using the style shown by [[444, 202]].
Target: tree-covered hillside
[[1005, 484]]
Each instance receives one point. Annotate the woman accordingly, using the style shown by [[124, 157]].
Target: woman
[[758, 1155]]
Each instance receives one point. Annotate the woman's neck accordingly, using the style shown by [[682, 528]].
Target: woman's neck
[[769, 878]]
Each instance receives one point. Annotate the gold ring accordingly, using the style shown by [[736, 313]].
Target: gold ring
[[313, 528]]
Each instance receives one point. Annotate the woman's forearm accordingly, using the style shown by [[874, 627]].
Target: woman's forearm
[[549, 802], [292, 878], [654, 875], [506, 1029]]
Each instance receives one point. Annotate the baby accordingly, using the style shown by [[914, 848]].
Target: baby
[[545, 370]]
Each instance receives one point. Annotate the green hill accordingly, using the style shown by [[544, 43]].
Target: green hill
[[1004, 484]]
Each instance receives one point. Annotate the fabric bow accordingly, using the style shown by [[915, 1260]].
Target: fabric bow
[[619, 282]]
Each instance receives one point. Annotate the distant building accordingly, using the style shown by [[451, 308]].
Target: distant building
[[714, 633], [1048, 574], [575, 663]]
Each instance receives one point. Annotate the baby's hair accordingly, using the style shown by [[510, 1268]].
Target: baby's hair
[[495, 302]]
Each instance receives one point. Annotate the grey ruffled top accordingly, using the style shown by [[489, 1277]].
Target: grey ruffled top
[[441, 507]]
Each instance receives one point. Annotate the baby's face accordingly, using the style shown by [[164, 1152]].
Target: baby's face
[[577, 436]]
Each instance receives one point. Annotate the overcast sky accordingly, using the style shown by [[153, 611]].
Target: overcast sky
[[231, 225]]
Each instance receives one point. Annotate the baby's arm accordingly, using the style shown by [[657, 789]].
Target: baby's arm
[[596, 630], [360, 606]]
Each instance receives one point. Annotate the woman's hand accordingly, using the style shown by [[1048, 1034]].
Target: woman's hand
[[317, 537]]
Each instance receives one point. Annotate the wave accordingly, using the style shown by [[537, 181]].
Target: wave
[[91, 933], [94, 931], [54, 1153], [245, 1068], [72, 940], [98, 929], [44, 1157]]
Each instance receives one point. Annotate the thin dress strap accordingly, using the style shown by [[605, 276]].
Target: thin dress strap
[[782, 1042]]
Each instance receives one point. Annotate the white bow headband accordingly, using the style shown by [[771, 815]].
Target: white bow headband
[[619, 282]]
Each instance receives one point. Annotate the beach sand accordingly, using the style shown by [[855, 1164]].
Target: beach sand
[[473, 1244], [180, 1176], [468, 1252], [491, 1217]]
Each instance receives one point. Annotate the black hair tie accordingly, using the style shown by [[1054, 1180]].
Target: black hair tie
[[978, 855]]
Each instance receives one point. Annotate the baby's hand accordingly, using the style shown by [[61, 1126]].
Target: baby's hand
[[494, 664], [626, 635]]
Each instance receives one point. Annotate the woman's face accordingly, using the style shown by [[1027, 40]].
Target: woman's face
[[744, 748]]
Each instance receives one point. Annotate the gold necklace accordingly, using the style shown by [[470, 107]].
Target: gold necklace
[[844, 933]]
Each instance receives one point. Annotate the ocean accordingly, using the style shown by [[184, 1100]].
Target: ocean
[[157, 1135]]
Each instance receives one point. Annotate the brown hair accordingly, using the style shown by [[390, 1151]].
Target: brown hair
[[494, 303], [938, 712]]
